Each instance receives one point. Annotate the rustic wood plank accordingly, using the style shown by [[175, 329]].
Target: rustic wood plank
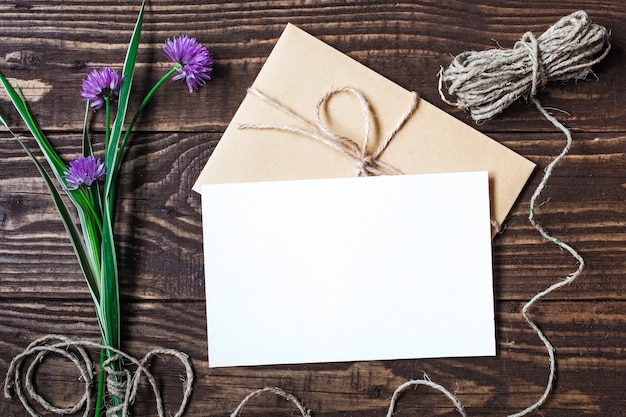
[[584, 333], [159, 227], [407, 43], [49, 47]]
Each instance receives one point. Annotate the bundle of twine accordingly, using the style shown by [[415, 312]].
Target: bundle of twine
[[487, 82]]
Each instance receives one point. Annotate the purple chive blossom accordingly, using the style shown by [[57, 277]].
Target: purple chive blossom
[[196, 63], [100, 84], [84, 170]]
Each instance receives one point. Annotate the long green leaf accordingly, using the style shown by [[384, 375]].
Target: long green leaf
[[56, 163], [18, 101], [80, 249], [93, 238], [92, 225], [113, 154], [110, 284], [78, 197]]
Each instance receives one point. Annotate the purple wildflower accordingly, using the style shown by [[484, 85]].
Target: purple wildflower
[[196, 63], [101, 84], [84, 170]]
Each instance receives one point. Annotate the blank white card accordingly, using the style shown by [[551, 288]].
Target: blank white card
[[348, 269]]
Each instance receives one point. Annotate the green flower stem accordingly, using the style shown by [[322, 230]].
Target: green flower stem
[[114, 164], [145, 101], [95, 249], [94, 196], [107, 123], [92, 236], [93, 214], [109, 312], [100, 395], [91, 225], [110, 301]]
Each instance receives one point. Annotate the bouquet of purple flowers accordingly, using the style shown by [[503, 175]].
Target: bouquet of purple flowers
[[89, 182]]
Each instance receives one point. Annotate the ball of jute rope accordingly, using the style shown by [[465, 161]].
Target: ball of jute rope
[[487, 82]]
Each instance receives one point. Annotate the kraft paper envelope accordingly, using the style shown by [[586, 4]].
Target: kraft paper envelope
[[298, 72], [347, 269]]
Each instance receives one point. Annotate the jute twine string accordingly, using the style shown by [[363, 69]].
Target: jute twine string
[[123, 383], [273, 390], [304, 412], [367, 163], [487, 82]]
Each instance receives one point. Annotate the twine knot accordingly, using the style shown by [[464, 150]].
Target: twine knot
[[487, 82], [367, 162], [367, 166], [539, 78]]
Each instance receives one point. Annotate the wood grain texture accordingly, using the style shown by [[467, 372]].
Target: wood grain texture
[[49, 46], [407, 42], [583, 333]]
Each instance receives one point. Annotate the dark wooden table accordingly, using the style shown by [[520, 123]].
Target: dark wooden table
[[48, 47]]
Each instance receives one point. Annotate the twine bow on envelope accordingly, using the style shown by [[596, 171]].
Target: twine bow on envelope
[[367, 163]]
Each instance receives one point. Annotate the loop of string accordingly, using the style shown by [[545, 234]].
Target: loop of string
[[392, 403], [367, 163], [274, 390], [121, 383], [487, 82], [428, 383]]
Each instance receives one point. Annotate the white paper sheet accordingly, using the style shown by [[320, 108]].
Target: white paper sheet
[[348, 269]]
